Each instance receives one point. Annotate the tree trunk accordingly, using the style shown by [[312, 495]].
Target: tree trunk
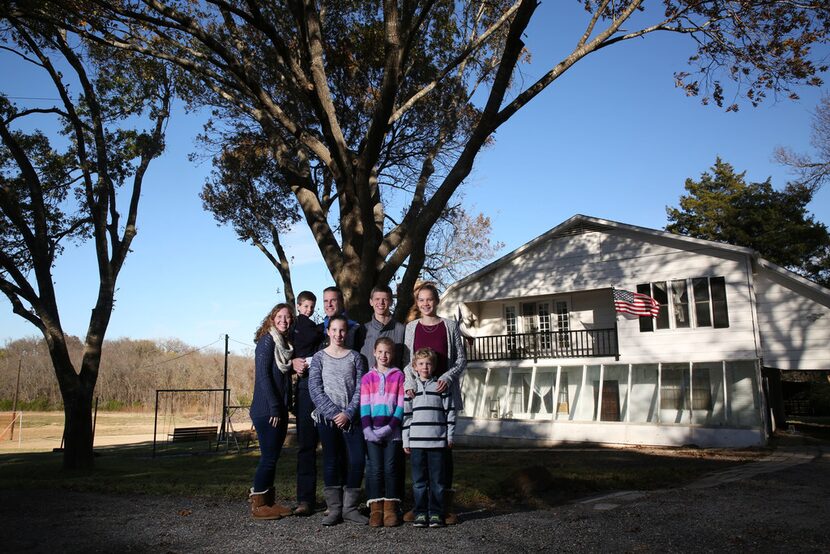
[[356, 282], [77, 453]]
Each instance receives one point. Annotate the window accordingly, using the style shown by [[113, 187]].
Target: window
[[529, 317], [544, 326], [672, 391], [562, 404], [674, 394], [563, 325], [720, 314], [511, 324], [646, 322], [680, 303], [701, 389], [703, 306], [660, 293], [687, 303]]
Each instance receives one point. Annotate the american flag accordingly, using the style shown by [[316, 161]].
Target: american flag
[[634, 303]]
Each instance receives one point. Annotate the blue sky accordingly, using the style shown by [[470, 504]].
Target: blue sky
[[612, 138]]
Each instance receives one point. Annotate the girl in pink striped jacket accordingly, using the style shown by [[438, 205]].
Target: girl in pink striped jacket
[[381, 414]]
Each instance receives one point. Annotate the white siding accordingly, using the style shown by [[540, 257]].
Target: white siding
[[584, 267], [794, 323]]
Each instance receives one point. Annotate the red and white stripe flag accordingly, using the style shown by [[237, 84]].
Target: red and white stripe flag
[[634, 303]]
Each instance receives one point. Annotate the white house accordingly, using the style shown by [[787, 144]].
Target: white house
[[549, 359]]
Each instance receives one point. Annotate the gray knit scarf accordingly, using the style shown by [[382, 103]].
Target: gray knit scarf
[[282, 351]]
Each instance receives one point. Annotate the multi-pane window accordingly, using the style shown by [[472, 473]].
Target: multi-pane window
[[703, 306], [680, 303], [720, 313], [684, 303], [563, 324], [544, 325], [674, 392], [660, 292], [701, 389], [511, 323]]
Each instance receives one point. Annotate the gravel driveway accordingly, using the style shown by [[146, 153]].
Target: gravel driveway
[[778, 504]]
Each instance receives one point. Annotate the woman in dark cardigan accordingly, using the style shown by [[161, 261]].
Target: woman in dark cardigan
[[269, 407]]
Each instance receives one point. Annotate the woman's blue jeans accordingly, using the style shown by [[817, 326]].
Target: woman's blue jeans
[[383, 470], [342, 449], [271, 440]]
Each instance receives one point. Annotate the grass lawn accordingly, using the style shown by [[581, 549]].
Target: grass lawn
[[495, 479]]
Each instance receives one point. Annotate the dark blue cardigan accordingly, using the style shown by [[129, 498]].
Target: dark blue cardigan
[[272, 388]]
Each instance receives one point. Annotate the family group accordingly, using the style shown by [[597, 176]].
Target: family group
[[370, 394]]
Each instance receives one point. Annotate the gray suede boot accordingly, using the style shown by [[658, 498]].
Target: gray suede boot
[[334, 504], [351, 498]]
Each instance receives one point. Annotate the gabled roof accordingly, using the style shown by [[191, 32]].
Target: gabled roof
[[580, 223]]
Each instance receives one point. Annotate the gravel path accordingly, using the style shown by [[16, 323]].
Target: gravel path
[[778, 504]]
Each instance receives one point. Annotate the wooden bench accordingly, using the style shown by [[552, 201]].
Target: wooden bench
[[183, 434]]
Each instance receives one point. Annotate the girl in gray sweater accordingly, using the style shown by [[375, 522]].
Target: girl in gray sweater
[[334, 385]]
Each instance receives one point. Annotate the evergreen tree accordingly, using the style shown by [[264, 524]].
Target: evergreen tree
[[723, 207]]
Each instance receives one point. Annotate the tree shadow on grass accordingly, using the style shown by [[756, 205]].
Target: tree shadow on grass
[[494, 482]]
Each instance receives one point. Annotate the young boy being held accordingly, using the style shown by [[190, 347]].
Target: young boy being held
[[381, 413], [428, 427], [306, 337]]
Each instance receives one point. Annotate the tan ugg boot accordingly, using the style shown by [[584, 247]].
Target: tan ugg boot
[[263, 506], [376, 512], [390, 513]]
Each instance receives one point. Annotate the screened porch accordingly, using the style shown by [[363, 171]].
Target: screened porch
[[721, 393]]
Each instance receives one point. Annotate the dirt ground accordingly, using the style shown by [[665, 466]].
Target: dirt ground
[[777, 504], [42, 431]]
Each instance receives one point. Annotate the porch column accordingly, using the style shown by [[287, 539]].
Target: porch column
[[509, 392], [556, 393], [725, 392], [582, 387], [532, 389], [691, 393], [599, 392], [628, 397], [659, 387], [487, 399]]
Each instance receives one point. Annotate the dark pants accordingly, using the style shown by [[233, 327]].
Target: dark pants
[[306, 446], [449, 469], [428, 480], [383, 470], [271, 440], [342, 449]]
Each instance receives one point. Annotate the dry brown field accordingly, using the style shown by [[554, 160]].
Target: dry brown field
[[42, 431]]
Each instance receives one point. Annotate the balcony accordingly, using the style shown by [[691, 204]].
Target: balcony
[[589, 343]]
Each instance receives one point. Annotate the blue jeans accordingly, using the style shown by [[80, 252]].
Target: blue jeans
[[271, 440], [428, 480], [306, 446], [383, 470], [342, 449]]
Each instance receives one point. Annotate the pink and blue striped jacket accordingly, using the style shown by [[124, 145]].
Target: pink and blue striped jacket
[[381, 404]]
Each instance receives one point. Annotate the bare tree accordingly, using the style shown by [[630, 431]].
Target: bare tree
[[812, 172], [373, 107], [457, 244], [48, 196]]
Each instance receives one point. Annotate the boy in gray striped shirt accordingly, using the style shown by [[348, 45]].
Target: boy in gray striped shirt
[[428, 426]]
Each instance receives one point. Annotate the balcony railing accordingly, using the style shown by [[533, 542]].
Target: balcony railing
[[591, 343]]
